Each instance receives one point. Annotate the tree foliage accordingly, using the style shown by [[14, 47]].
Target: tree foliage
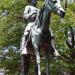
[[12, 26]]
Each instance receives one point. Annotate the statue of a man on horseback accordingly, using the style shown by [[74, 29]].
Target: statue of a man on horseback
[[30, 14], [38, 34]]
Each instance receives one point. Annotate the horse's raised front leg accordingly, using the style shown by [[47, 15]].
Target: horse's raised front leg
[[37, 54], [52, 46], [54, 49]]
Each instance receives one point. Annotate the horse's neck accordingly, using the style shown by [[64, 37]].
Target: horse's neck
[[44, 23]]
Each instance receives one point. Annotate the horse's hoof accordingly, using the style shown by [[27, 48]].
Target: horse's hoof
[[56, 54]]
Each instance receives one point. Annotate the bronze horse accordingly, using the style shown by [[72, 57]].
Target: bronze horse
[[40, 36]]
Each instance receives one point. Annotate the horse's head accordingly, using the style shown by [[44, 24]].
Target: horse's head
[[55, 6]]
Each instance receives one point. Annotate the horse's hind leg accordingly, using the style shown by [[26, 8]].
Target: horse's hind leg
[[47, 62], [25, 64], [37, 67]]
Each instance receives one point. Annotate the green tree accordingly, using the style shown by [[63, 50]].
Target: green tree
[[12, 26]]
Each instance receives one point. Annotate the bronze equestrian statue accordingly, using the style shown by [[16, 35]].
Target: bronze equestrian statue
[[39, 39]]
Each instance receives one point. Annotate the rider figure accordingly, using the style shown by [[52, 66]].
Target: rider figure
[[30, 14]]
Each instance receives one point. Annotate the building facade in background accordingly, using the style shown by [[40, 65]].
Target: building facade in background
[[69, 1], [2, 72]]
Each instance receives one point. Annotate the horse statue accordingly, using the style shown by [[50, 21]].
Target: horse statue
[[40, 36]]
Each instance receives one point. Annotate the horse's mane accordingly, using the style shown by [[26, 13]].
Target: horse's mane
[[39, 21], [41, 13]]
